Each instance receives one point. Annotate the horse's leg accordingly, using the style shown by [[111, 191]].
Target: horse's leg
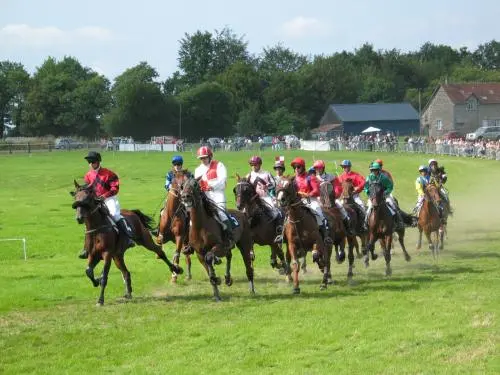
[[227, 276], [247, 259], [278, 251], [214, 280], [92, 262], [350, 258], [295, 267], [441, 237], [435, 237], [288, 268], [189, 276], [177, 256], [303, 263], [429, 240], [419, 241], [104, 277], [120, 264], [385, 243], [401, 240]]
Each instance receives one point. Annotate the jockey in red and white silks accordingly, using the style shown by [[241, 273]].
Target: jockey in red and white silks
[[358, 182], [213, 176]]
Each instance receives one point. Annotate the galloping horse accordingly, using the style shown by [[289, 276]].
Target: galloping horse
[[337, 229], [105, 243], [174, 223], [263, 228], [381, 227], [205, 236], [429, 221], [347, 197], [301, 232]]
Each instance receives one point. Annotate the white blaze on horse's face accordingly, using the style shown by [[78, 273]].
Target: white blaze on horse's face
[[280, 195]]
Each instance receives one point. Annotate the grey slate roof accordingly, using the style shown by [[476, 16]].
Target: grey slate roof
[[375, 112]]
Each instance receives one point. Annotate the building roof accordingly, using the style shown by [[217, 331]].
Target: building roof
[[486, 93], [374, 112]]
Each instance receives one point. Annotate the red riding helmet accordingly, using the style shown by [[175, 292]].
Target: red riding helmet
[[298, 162], [319, 164], [380, 161], [204, 152], [255, 160]]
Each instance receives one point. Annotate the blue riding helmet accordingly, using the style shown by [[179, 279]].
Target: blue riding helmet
[[423, 168], [346, 163], [311, 170], [177, 159]]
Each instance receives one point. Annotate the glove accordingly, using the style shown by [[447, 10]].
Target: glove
[[303, 194]]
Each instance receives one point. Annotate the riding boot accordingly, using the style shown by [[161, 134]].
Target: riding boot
[[84, 254], [125, 229], [323, 230], [228, 233]]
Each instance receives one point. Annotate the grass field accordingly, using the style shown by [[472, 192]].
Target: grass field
[[428, 318]]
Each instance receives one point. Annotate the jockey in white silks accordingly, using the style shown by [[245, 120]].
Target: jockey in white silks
[[264, 183], [213, 176]]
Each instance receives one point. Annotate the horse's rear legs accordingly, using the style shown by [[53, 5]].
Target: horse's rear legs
[[401, 239], [147, 241], [208, 262]]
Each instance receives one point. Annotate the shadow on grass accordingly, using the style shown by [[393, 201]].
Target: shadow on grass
[[475, 254]]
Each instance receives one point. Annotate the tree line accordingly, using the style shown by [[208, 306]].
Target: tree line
[[221, 89]]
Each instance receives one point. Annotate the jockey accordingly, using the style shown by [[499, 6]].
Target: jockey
[[375, 176], [438, 177], [264, 183], [384, 171], [358, 182], [420, 184], [106, 186], [279, 168], [213, 175], [319, 166], [308, 190], [177, 163]]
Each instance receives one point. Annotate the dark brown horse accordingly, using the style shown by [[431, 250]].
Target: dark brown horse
[[264, 228], [206, 237], [301, 232], [104, 242], [347, 197], [429, 220], [174, 224], [381, 227]]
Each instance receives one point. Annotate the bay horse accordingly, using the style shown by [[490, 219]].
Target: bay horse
[[105, 243], [347, 198], [301, 232], [429, 221], [264, 229], [381, 227], [206, 237], [174, 224]]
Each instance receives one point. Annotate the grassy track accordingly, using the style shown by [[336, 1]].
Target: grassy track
[[428, 318]]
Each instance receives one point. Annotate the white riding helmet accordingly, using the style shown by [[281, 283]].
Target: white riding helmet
[[432, 161]]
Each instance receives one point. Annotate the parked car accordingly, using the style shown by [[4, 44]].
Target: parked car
[[67, 144], [485, 132]]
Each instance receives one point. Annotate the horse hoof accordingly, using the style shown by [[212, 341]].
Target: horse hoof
[[178, 270], [374, 256], [173, 280], [296, 290], [408, 258], [340, 257], [322, 287], [189, 277], [229, 280], [388, 272], [215, 281], [281, 271], [367, 263], [99, 304], [351, 282], [217, 299], [127, 296], [217, 260]]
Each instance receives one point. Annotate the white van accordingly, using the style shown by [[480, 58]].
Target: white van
[[485, 132]]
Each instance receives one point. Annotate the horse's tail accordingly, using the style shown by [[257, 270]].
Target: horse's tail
[[146, 220]]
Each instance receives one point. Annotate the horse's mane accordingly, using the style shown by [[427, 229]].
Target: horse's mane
[[209, 205]]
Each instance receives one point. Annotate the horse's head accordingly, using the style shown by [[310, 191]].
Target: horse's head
[[190, 193], [178, 182], [244, 193], [85, 201], [347, 189], [432, 192], [326, 194], [376, 194], [287, 192]]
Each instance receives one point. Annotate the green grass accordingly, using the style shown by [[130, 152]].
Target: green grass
[[429, 317]]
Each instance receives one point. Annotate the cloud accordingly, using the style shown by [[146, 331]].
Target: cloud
[[300, 27], [22, 34]]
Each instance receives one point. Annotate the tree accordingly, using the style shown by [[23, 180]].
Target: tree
[[65, 99], [279, 59], [487, 56], [282, 121], [207, 111], [14, 82], [139, 108]]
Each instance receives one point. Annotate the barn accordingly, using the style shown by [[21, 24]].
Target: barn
[[398, 118]]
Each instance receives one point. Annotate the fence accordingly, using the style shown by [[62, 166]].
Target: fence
[[11, 148]]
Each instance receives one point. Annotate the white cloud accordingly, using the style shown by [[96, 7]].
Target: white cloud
[[300, 26], [22, 34]]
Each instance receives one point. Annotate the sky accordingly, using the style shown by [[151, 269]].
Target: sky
[[110, 36]]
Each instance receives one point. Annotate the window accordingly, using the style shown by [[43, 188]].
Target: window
[[439, 124], [471, 105], [497, 122]]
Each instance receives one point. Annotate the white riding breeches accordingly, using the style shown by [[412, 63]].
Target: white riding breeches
[[315, 206], [342, 209], [360, 202], [114, 208], [420, 202], [220, 200]]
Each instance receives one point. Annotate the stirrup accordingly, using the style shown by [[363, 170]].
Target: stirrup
[[278, 238]]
